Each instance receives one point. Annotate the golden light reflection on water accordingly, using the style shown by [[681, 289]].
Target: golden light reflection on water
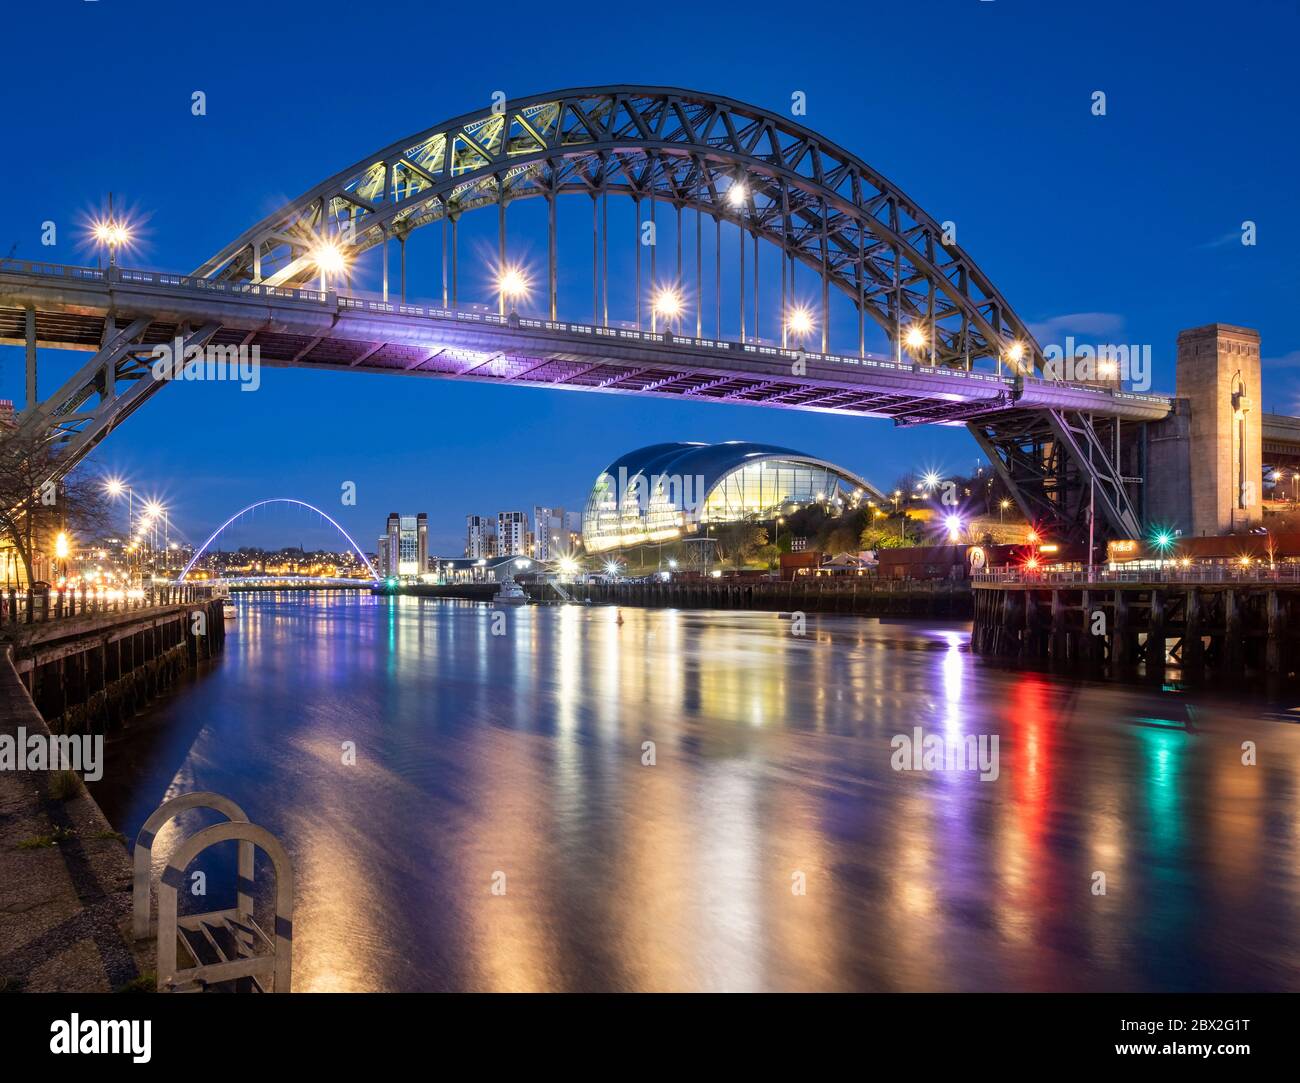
[[523, 754], [506, 877]]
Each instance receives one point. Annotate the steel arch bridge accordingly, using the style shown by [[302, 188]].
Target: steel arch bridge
[[819, 204], [960, 354], [198, 553]]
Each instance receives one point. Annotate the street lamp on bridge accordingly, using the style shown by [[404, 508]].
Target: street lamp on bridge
[[111, 232], [330, 261], [667, 303], [917, 340], [799, 324], [512, 284]]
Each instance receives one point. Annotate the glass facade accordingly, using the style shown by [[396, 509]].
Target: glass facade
[[408, 547], [760, 490], [669, 490]]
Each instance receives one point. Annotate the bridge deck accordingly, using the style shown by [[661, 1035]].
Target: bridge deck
[[310, 329]]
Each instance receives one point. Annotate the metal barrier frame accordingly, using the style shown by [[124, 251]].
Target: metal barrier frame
[[279, 964], [143, 854]]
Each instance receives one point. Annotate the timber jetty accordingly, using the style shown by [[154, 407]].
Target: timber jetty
[[1219, 621], [90, 663]]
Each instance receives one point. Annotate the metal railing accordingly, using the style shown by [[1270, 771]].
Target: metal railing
[[1103, 576], [359, 302], [21, 607]]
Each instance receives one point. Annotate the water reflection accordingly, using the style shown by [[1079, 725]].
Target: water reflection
[[517, 758]]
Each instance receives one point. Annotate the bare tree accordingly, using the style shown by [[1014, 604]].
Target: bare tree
[[739, 542], [35, 508]]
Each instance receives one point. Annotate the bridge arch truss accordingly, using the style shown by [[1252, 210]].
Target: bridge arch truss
[[819, 204]]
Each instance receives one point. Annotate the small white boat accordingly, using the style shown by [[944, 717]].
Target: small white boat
[[511, 593], [228, 609]]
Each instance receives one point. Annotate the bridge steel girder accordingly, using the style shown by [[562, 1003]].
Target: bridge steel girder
[[809, 197], [1063, 465], [300, 328], [117, 375]]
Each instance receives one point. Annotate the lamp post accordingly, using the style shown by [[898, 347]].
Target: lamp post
[[914, 339], [330, 261], [111, 233], [667, 303], [61, 551], [798, 324], [115, 487], [512, 284], [153, 512]]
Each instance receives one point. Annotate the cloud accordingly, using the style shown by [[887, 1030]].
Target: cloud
[[1080, 324], [1286, 361], [1228, 238]]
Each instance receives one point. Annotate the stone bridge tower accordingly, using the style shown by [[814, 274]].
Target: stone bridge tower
[[1218, 376]]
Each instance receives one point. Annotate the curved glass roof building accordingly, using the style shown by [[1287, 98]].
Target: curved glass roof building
[[667, 491]]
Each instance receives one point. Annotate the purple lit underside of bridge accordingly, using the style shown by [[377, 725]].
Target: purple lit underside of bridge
[[303, 328]]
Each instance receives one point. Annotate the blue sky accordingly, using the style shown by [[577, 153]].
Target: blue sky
[[1122, 228]]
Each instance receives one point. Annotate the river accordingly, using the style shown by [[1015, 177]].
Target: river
[[502, 826]]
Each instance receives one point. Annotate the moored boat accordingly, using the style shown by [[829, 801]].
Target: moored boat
[[510, 593]]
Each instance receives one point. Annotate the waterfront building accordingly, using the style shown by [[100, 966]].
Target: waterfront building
[[667, 491], [480, 537], [459, 570], [404, 546], [550, 537], [573, 528], [513, 534]]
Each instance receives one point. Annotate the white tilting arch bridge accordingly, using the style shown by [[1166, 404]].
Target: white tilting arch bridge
[[278, 500]]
